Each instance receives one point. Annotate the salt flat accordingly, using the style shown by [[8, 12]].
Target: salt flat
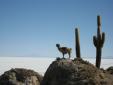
[[38, 64]]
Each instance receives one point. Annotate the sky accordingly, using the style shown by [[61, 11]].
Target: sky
[[34, 27]]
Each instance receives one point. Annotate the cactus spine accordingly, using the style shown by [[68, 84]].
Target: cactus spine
[[77, 43], [98, 42]]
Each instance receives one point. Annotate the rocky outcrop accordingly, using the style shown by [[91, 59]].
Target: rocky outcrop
[[75, 72], [20, 76], [60, 72]]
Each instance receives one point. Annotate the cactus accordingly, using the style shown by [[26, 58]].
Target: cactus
[[77, 43], [98, 42]]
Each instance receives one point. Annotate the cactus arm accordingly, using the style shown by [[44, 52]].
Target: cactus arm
[[103, 38], [95, 41]]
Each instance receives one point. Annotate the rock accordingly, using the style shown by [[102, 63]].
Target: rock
[[110, 70], [75, 72], [20, 76]]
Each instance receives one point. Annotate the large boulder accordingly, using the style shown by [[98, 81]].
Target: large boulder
[[20, 76], [75, 72]]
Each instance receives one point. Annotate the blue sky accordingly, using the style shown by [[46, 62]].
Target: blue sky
[[33, 27]]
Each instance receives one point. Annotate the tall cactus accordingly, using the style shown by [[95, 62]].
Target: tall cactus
[[78, 55], [98, 42]]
